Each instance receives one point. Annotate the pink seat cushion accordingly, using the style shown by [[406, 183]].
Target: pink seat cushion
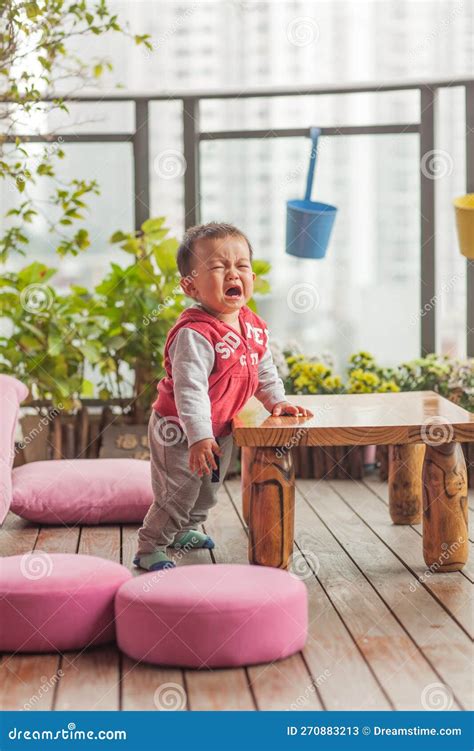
[[57, 601], [12, 392], [212, 616], [86, 491]]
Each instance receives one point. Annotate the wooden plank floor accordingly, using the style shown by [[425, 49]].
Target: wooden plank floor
[[384, 633]]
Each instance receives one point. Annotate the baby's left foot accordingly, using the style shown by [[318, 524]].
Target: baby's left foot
[[192, 539]]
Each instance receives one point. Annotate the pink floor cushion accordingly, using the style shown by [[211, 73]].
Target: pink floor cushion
[[58, 601], [83, 491], [212, 616], [12, 393]]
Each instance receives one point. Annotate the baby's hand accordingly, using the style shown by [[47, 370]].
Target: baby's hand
[[201, 455], [285, 408]]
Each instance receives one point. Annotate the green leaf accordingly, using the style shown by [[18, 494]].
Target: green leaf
[[34, 273], [261, 286], [87, 390], [131, 246], [90, 352], [82, 239], [116, 342], [118, 237], [32, 10], [165, 255], [261, 267], [150, 226]]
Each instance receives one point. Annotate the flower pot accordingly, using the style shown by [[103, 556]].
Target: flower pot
[[464, 207], [309, 223]]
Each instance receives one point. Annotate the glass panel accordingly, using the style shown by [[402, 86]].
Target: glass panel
[[167, 165], [302, 111], [450, 171], [111, 166], [365, 294]]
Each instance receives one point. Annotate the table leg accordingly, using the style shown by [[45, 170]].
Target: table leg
[[270, 480], [405, 487], [246, 459], [445, 536]]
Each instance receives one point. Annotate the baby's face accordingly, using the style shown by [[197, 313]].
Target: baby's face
[[222, 278]]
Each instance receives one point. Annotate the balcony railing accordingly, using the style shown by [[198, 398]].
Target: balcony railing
[[193, 135]]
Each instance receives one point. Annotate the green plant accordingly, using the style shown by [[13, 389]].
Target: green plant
[[37, 65], [137, 304], [425, 374], [50, 336], [450, 377], [366, 376], [119, 328], [307, 376]]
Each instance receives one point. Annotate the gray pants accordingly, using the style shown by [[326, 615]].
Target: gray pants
[[182, 499]]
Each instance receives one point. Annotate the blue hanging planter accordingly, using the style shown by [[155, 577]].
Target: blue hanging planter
[[309, 223]]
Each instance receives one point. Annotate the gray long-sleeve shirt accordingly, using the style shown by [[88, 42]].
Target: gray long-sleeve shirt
[[192, 361]]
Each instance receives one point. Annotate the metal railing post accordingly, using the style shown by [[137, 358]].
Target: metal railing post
[[191, 155], [470, 189], [141, 163], [427, 222]]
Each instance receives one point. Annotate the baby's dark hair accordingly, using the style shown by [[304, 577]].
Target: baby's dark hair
[[211, 230]]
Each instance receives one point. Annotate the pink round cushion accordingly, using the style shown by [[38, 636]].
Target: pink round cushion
[[83, 491], [58, 601], [212, 616]]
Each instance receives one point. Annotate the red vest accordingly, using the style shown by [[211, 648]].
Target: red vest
[[234, 377]]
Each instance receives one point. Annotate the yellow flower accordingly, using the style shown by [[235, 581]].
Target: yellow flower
[[332, 383], [388, 386]]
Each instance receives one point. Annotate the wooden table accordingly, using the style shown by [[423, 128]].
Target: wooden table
[[427, 470]]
